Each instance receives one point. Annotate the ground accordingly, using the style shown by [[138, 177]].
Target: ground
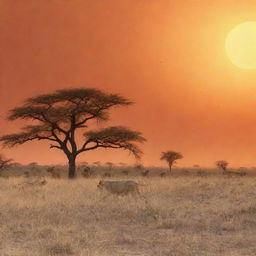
[[181, 216]]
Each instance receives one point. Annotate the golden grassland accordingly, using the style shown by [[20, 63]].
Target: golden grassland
[[183, 216]]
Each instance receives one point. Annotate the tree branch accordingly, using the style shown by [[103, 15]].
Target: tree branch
[[55, 146], [44, 138], [85, 120], [54, 124], [83, 149]]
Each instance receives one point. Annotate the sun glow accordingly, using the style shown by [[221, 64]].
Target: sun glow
[[241, 45]]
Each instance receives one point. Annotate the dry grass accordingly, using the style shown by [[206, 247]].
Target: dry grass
[[183, 216]]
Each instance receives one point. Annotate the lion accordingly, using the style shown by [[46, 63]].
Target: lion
[[120, 187]]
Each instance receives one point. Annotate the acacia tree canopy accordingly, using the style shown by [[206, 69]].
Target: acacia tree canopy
[[171, 157], [115, 137], [59, 115], [222, 164]]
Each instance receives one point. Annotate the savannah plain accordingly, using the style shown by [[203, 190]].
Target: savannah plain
[[188, 212], [134, 78]]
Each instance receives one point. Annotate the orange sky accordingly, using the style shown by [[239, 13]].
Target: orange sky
[[166, 55]]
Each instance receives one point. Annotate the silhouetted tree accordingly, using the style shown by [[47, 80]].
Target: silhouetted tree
[[59, 115], [222, 164], [4, 163], [170, 157]]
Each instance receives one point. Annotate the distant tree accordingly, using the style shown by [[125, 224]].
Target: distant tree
[[170, 157], [59, 115], [222, 164], [4, 163]]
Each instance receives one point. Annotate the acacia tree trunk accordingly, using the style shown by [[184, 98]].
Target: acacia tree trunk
[[72, 167], [170, 166]]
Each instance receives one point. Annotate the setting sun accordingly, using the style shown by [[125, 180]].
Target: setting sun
[[241, 45]]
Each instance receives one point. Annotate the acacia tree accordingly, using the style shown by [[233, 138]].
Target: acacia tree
[[222, 164], [170, 157], [61, 114]]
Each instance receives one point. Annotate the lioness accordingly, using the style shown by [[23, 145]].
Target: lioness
[[120, 187]]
